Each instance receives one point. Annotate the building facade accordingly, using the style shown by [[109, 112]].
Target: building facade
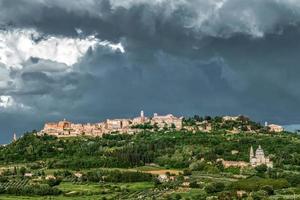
[[259, 158], [167, 121], [65, 128], [275, 128]]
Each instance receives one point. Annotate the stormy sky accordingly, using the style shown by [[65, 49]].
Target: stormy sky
[[88, 60]]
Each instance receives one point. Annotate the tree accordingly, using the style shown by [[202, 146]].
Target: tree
[[22, 171], [207, 118], [3, 179], [294, 179], [187, 172], [261, 169], [220, 166], [198, 118], [15, 170], [218, 119], [269, 189], [177, 196], [53, 181], [197, 166], [156, 182], [194, 184], [225, 196], [215, 187], [173, 126]]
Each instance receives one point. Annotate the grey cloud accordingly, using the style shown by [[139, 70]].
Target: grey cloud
[[185, 57], [220, 18], [36, 65]]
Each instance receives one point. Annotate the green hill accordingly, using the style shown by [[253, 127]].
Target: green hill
[[121, 166]]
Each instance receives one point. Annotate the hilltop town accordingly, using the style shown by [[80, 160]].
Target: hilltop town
[[68, 129], [231, 124]]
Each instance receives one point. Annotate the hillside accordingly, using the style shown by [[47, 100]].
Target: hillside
[[154, 164]]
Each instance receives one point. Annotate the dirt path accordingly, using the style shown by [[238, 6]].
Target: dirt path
[[163, 171]]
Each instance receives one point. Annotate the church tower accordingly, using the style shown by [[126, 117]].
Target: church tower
[[251, 152], [142, 116], [14, 137], [252, 158]]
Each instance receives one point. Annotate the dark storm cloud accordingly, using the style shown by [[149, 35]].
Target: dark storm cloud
[[116, 84], [186, 57]]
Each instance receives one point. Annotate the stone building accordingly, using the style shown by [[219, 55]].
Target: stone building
[[57, 129], [275, 128], [256, 159], [230, 118], [167, 121], [259, 158], [67, 129], [228, 163], [140, 119]]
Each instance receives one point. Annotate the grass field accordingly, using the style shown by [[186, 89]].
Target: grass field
[[11, 197], [189, 193], [146, 169], [90, 191], [69, 187]]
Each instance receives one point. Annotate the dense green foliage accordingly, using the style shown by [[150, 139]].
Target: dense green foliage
[[116, 176], [193, 154], [169, 149], [27, 189], [256, 183]]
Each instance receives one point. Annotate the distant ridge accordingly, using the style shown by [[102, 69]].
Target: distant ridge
[[292, 128]]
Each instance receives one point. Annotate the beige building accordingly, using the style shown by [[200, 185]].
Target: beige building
[[275, 128], [57, 129], [256, 159], [167, 121], [140, 120], [259, 158], [230, 118], [67, 129], [227, 163]]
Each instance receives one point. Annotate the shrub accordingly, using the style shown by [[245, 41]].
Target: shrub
[[261, 169], [54, 181], [260, 195], [36, 189], [197, 166], [35, 165], [233, 170], [2, 189], [226, 196], [3, 179], [256, 183], [177, 197], [269, 189], [215, 187], [294, 179], [194, 184], [187, 172]]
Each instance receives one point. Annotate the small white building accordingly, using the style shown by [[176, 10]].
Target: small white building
[[230, 118], [28, 174]]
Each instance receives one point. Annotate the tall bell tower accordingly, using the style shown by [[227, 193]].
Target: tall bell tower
[[142, 116], [14, 137]]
